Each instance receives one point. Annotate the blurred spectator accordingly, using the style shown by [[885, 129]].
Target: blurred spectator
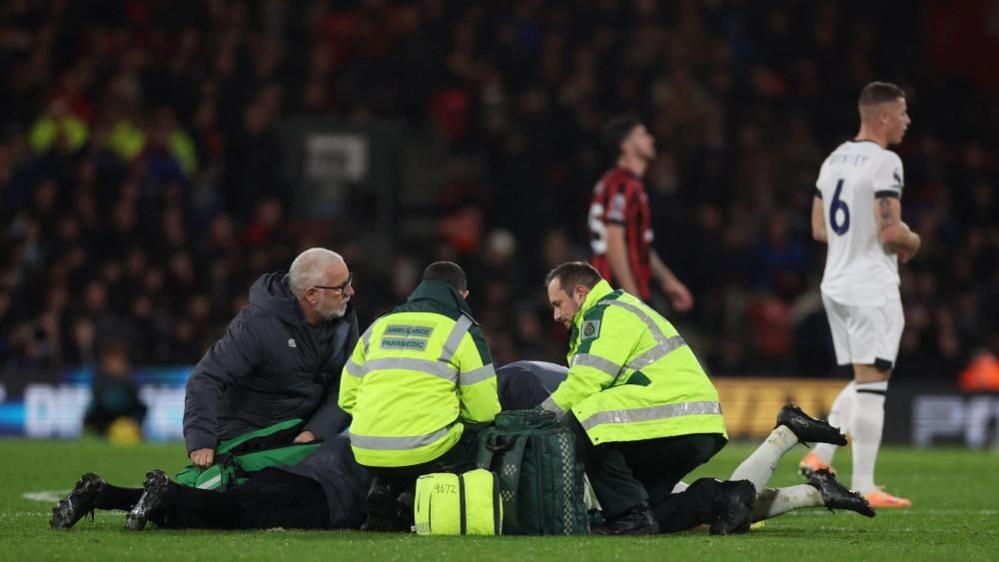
[[141, 158], [114, 394], [58, 129]]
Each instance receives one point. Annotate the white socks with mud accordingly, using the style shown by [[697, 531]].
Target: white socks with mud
[[771, 502], [866, 423], [839, 417], [760, 465]]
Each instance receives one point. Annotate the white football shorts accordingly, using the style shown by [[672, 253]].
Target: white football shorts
[[868, 335]]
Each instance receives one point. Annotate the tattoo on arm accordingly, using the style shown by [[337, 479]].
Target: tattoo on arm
[[887, 217]]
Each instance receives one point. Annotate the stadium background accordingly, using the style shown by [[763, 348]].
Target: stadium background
[[155, 157]]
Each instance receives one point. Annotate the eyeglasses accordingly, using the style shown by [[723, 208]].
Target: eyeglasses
[[339, 289]]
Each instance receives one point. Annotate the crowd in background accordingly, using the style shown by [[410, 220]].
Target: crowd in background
[[140, 194]]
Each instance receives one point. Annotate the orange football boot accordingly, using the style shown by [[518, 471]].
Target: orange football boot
[[811, 463], [880, 499]]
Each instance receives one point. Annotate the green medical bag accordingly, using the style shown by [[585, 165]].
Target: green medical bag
[[251, 452], [541, 480]]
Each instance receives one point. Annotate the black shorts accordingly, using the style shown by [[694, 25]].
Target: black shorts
[[275, 498]]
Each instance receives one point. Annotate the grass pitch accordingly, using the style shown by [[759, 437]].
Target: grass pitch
[[955, 493]]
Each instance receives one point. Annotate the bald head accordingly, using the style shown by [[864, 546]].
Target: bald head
[[310, 267]]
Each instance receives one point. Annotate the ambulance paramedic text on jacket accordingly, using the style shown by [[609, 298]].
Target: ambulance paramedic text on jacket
[[649, 413], [419, 379]]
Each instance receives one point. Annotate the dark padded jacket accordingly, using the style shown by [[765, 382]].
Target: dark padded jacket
[[269, 366]]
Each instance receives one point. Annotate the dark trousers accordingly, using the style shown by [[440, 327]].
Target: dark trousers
[[625, 474], [459, 458], [389, 504], [272, 498], [114, 497]]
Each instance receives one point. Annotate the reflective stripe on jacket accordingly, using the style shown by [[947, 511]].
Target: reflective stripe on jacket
[[415, 375]]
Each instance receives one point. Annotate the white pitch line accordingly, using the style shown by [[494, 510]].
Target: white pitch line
[[24, 514], [47, 496], [817, 512]]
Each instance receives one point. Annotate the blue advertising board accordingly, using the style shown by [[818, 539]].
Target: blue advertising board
[[56, 409]]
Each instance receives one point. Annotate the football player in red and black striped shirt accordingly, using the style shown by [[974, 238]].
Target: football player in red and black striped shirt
[[620, 221]]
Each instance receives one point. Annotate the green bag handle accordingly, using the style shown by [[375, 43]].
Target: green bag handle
[[511, 448], [486, 453], [508, 439], [219, 476], [188, 476], [282, 456], [192, 476], [512, 422], [230, 444]]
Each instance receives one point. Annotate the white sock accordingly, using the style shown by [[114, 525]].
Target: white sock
[[866, 424], [839, 417], [771, 502], [760, 465], [680, 486]]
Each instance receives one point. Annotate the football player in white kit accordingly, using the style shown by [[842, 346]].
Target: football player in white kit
[[857, 213]]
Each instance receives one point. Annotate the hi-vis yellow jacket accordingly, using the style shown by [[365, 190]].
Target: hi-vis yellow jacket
[[631, 376], [415, 375]]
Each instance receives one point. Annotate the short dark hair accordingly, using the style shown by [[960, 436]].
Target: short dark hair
[[615, 131], [879, 92], [573, 273], [446, 272]]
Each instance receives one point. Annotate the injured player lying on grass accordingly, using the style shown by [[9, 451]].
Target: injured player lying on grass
[[326, 490], [822, 489], [274, 502], [527, 383]]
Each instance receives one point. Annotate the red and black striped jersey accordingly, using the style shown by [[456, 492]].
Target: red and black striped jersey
[[619, 198]]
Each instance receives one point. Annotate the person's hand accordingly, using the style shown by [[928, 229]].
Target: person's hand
[[905, 255], [679, 295], [305, 437], [203, 458], [919, 244]]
